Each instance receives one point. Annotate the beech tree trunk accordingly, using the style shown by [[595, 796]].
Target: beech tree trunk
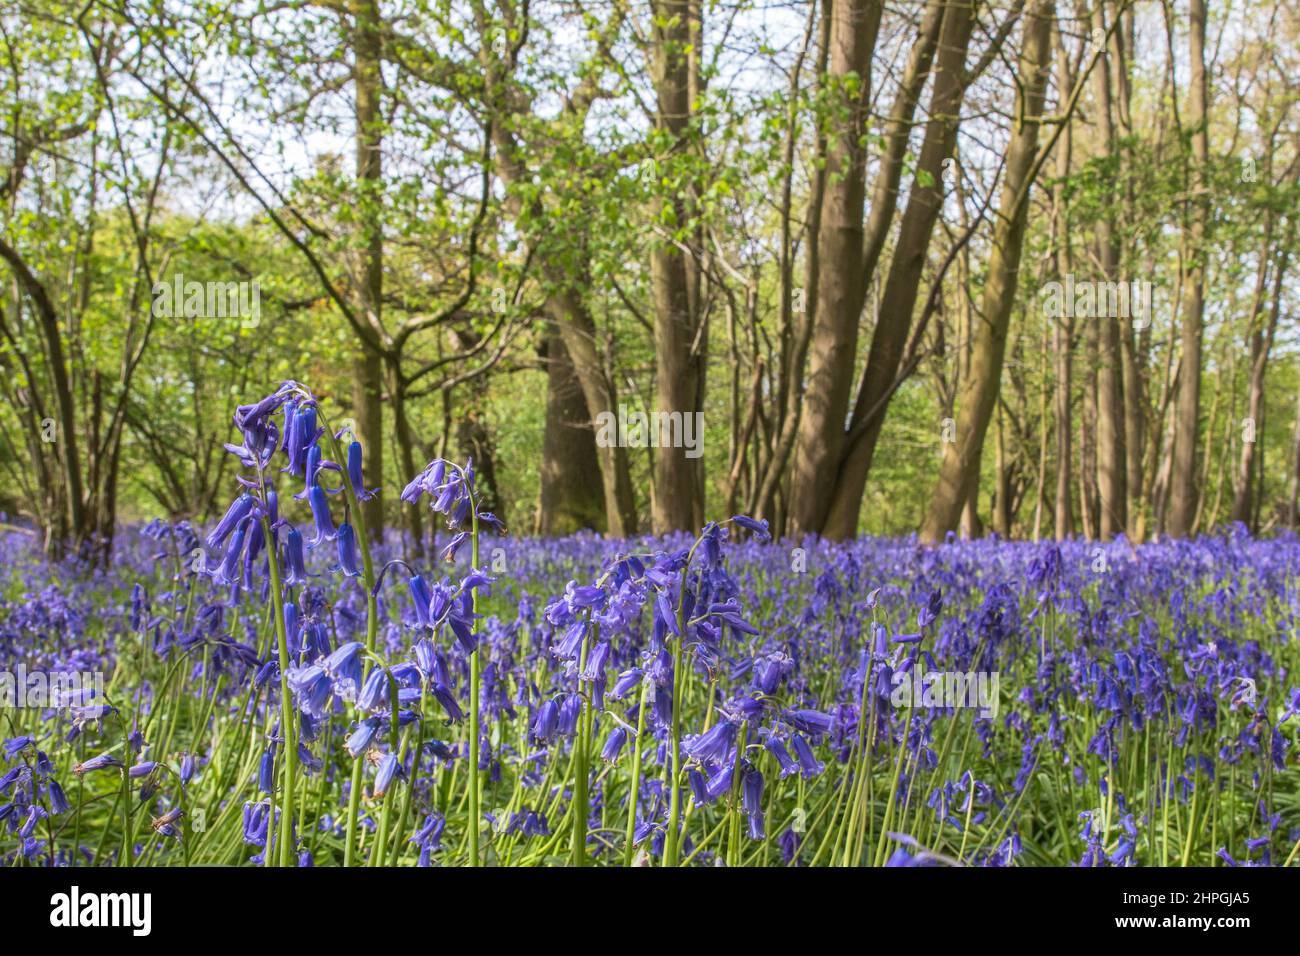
[[1063, 326], [1112, 459], [1183, 491], [679, 349], [1261, 344], [959, 472], [839, 293], [566, 274], [572, 496], [367, 367]]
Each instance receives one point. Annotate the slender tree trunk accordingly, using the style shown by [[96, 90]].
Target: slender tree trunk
[[1002, 494], [1112, 460], [1063, 326], [475, 441], [47, 320], [768, 498], [1260, 346], [1040, 480], [1133, 362], [959, 473], [679, 355], [367, 367], [1183, 491], [578, 330]]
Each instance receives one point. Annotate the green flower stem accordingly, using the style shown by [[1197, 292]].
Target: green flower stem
[[892, 798], [672, 842], [634, 792], [287, 710], [381, 841], [372, 626], [733, 844], [475, 815], [581, 772], [127, 848], [405, 814]]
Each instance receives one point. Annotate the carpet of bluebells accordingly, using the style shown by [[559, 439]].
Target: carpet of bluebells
[[289, 688]]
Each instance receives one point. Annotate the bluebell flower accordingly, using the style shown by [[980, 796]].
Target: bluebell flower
[[447, 700], [809, 765], [596, 660], [758, 528], [627, 681], [614, 744], [570, 711], [320, 513], [712, 745], [355, 473], [58, 801], [234, 516], [389, 767], [361, 738], [35, 815], [454, 545], [421, 598], [266, 773], [295, 567], [311, 687], [101, 762], [810, 721], [546, 721], [228, 571], [374, 692], [751, 791], [15, 745], [165, 824], [720, 782]]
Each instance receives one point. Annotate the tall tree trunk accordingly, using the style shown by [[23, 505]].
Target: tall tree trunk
[[1002, 471], [566, 275], [1261, 344], [905, 269], [572, 496], [578, 330], [1183, 491], [679, 355], [854, 25], [1132, 359], [367, 367], [1112, 460], [47, 319], [796, 325], [1063, 327], [959, 473]]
